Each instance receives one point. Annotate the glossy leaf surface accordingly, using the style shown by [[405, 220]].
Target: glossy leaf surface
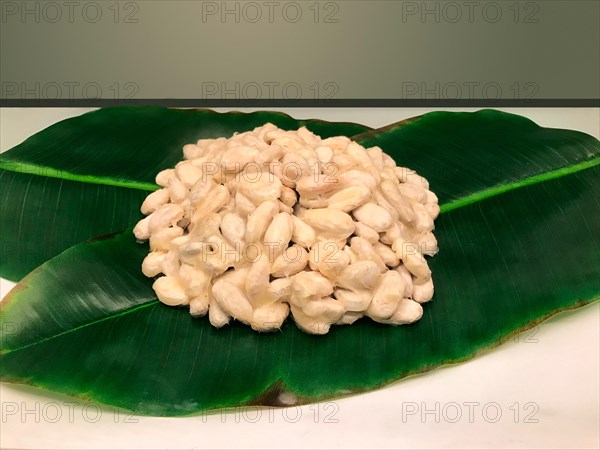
[[523, 246]]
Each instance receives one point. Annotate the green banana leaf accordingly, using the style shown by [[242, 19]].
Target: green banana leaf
[[519, 241], [88, 175]]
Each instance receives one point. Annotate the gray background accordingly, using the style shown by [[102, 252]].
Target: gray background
[[150, 49]]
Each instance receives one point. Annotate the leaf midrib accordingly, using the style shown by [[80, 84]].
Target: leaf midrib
[[50, 172], [35, 169], [528, 181], [85, 325], [446, 207]]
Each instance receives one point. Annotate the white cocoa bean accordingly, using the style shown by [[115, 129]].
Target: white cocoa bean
[[165, 216], [360, 275], [163, 177], [408, 311], [259, 221], [302, 233], [373, 216], [349, 198], [161, 239], [232, 301], [290, 262], [199, 305], [177, 191], [329, 222], [192, 151], [349, 318], [152, 264], [413, 260], [309, 324], [154, 201], [387, 295], [353, 300], [141, 230], [217, 316], [387, 255], [279, 233], [233, 228], [365, 251], [170, 291], [423, 290], [188, 173], [366, 232], [308, 286], [327, 309], [408, 280], [270, 317]]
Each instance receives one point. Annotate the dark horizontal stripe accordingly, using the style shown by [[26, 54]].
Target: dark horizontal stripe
[[352, 103]]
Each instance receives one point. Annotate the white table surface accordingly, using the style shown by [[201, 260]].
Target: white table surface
[[539, 391]]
